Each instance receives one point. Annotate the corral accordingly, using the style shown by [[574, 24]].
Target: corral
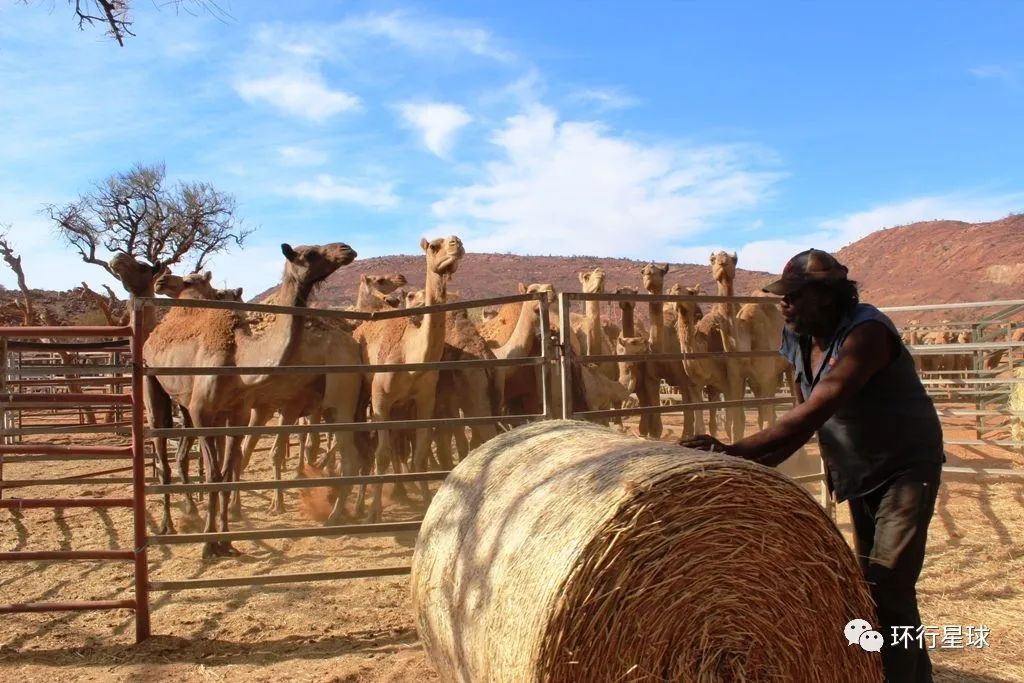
[[362, 629]]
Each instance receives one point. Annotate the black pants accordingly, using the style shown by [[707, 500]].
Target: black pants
[[891, 527]]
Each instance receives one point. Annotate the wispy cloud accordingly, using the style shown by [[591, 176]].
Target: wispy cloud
[[604, 98], [569, 187], [425, 35], [301, 156], [304, 95], [437, 122], [1006, 73], [328, 189]]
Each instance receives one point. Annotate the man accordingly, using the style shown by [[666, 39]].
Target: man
[[856, 386]]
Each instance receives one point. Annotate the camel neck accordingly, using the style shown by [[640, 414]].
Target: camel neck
[[276, 345], [657, 313], [521, 341], [628, 325], [435, 292]]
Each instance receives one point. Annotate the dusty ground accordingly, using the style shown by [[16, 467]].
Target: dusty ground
[[363, 630]]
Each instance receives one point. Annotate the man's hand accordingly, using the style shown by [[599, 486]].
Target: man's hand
[[704, 442]]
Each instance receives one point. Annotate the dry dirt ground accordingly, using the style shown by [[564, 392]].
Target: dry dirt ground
[[363, 630]]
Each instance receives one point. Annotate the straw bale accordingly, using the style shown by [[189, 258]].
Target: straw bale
[[565, 551]]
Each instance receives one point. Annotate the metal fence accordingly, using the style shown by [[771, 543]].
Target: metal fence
[[555, 362]]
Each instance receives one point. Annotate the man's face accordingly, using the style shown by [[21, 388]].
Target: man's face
[[806, 310]]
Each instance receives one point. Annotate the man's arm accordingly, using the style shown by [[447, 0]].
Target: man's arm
[[867, 349]]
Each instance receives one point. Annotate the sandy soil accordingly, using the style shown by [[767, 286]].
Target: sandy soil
[[363, 630]]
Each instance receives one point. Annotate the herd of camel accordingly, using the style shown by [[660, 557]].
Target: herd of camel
[[190, 337]]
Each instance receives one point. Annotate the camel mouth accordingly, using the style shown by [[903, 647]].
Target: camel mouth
[[448, 265]]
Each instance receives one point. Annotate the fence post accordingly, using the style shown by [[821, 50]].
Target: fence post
[[138, 342], [545, 353], [564, 332], [3, 411]]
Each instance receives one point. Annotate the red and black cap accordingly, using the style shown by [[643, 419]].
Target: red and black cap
[[808, 266]]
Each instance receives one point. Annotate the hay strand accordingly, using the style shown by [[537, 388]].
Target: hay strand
[[564, 551]]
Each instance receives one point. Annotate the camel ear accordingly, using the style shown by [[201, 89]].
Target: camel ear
[[711, 260], [424, 244], [735, 260], [238, 292], [208, 275], [582, 277], [664, 268], [522, 288], [364, 277], [288, 252]]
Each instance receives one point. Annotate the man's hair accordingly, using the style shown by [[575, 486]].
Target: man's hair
[[844, 292]]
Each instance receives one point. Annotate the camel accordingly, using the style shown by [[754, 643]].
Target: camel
[[217, 338], [760, 326], [708, 374], [661, 341], [588, 328], [474, 392], [193, 286], [720, 323], [398, 340], [376, 292]]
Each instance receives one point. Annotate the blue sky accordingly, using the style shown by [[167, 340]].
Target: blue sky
[[655, 130]]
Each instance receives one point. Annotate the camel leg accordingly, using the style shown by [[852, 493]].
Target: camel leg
[[282, 442], [443, 442], [181, 457], [158, 405], [208, 447], [735, 417], [229, 473]]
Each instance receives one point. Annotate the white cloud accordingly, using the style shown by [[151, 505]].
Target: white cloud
[[327, 189], [304, 95], [420, 34], [1007, 73], [437, 122], [301, 156], [573, 187], [605, 98]]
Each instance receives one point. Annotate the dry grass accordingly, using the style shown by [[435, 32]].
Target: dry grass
[[565, 551]]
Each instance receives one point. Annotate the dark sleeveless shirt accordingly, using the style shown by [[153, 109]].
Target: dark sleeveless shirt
[[888, 427]]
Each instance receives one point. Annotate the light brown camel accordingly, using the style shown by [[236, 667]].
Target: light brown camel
[[398, 340], [589, 329], [760, 326], [217, 338], [661, 340], [473, 392], [376, 292], [710, 375], [720, 322]]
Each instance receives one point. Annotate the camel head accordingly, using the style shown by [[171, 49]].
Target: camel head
[[654, 277], [723, 266], [191, 286], [964, 337], [443, 254], [308, 266], [136, 276], [415, 298], [382, 285], [630, 346], [535, 287], [592, 281], [228, 294], [688, 311], [627, 305]]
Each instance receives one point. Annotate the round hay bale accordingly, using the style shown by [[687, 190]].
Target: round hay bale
[[565, 551]]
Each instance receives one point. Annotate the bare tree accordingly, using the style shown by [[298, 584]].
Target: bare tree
[[14, 263], [134, 213], [115, 15]]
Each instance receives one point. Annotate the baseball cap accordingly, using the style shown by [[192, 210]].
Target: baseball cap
[[813, 265]]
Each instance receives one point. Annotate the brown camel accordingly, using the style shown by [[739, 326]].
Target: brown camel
[[589, 329], [376, 292], [398, 340], [217, 338], [710, 375], [720, 323]]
